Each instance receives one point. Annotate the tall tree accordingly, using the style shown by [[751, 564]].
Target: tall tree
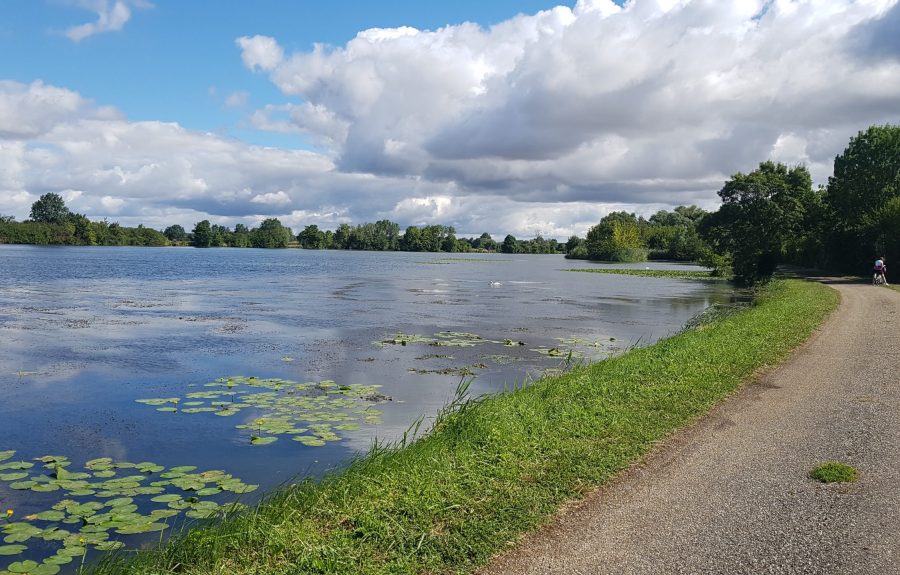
[[866, 178], [50, 209], [202, 234], [761, 214]]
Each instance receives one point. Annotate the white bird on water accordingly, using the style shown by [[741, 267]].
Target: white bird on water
[[495, 283]]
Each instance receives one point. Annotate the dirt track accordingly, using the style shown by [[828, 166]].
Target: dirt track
[[732, 494]]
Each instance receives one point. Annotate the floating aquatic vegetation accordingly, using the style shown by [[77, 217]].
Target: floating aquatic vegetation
[[501, 359], [308, 412], [107, 498], [440, 339], [558, 352], [463, 371]]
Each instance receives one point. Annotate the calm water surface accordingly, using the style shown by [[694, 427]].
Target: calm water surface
[[84, 332]]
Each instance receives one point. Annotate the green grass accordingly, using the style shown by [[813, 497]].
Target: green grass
[[676, 274], [495, 468], [834, 472]]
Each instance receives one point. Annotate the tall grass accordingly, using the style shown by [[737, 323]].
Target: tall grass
[[494, 468]]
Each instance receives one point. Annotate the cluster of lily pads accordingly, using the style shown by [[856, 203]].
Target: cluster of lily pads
[[311, 413], [568, 348], [105, 498]]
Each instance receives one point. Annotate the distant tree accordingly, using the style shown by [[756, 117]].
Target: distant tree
[[7, 219], [616, 238], [49, 209], [311, 238], [270, 234], [240, 238], [202, 234], [175, 233], [509, 246]]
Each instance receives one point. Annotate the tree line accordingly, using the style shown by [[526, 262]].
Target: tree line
[[769, 216], [773, 215], [51, 223]]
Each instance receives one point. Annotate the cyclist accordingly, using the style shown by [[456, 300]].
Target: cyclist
[[880, 269]]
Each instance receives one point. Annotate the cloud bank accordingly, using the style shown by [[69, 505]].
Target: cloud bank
[[538, 125]]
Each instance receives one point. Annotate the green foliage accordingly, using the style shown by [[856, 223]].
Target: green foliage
[[201, 236], [866, 178], [834, 472], [510, 245], [175, 233], [617, 238], [49, 209], [762, 212], [271, 234]]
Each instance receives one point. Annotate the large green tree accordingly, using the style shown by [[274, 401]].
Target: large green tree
[[201, 237], [866, 178], [270, 234], [49, 209], [761, 216], [616, 238]]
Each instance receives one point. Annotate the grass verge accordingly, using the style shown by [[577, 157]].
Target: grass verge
[[495, 468], [675, 274]]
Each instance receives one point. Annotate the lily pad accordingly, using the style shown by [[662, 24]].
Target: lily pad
[[12, 549]]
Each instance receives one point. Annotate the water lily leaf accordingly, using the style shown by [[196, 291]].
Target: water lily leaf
[[206, 492], [110, 546], [99, 464], [45, 487], [58, 559], [102, 474], [21, 485], [254, 440], [82, 492], [148, 467], [22, 567], [183, 468], [169, 409], [4, 455], [51, 515], [12, 549], [159, 401], [119, 502], [141, 528], [13, 476], [72, 551], [16, 465], [166, 498], [309, 441]]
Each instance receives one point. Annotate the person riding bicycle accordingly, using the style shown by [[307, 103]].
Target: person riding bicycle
[[880, 269]]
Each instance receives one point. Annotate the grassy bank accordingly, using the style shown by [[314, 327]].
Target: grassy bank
[[676, 274], [496, 468]]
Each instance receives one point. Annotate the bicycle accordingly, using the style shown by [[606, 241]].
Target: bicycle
[[878, 279]]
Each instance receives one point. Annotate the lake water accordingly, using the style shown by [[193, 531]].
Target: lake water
[[85, 332]]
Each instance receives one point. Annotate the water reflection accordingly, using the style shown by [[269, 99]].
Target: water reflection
[[86, 331]]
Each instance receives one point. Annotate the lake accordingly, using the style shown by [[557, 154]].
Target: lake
[[267, 365]]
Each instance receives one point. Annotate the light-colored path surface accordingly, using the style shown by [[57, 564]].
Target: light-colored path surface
[[732, 495]]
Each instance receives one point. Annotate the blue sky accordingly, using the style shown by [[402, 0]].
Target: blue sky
[[176, 61], [527, 117]]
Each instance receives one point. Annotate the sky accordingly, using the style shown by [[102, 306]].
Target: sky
[[527, 117]]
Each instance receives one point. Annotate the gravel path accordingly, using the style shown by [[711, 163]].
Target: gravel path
[[731, 494]]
